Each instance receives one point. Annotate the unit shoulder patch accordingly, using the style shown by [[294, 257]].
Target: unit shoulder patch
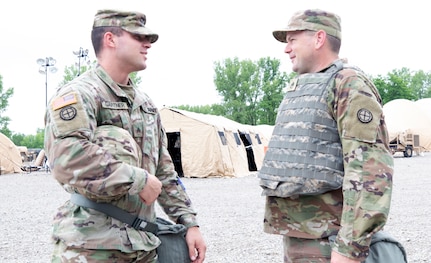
[[69, 114], [364, 115], [362, 119]]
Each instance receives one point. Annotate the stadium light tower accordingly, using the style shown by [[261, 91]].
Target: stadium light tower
[[81, 54], [46, 64]]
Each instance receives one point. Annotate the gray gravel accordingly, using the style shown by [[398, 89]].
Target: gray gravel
[[230, 214]]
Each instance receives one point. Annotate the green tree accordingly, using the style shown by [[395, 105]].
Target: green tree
[[272, 83], [71, 72], [233, 80], [214, 109], [237, 83], [30, 141], [17, 138], [396, 85], [382, 87], [5, 95], [421, 85], [243, 86]]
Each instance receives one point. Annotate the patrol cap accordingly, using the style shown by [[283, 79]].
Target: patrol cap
[[311, 19], [132, 22], [119, 143]]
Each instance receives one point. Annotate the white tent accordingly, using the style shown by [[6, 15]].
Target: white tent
[[425, 105], [405, 116], [10, 157], [203, 145]]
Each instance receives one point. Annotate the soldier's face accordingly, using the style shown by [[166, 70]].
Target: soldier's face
[[300, 48], [132, 50]]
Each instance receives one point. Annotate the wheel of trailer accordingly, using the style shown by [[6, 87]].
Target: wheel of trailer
[[408, 151]]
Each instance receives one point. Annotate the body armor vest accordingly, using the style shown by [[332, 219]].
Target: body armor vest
[[304, 154]]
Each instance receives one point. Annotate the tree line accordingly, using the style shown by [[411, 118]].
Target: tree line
[[250, 90]]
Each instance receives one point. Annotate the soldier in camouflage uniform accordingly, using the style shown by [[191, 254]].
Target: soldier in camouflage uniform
[[82, 163], [327, 173]]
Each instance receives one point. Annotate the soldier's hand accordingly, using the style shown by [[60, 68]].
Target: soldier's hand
[[337, 258], [151, 190], [196, 244]]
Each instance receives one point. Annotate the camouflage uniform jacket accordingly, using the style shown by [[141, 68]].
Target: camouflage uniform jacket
[[361, 207], [82, 166]]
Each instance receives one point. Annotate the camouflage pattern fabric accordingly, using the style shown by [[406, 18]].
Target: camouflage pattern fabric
[[119, 143], [132, 22], [311, 19], [361, 207], [62, 254], [304, 154], [302, 250], [81, 160]]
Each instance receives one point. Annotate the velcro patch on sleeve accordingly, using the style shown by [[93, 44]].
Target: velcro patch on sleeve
[[363, 118], [71, 116], [64, 101]]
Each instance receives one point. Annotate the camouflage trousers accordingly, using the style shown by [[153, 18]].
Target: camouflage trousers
[[300, 250], [64, 254]]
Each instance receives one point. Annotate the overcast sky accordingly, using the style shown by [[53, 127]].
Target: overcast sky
[[378, 36]]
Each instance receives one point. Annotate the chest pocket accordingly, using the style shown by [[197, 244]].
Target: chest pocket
[[137, 126], [150, 125], [115, 113], [149, 122]]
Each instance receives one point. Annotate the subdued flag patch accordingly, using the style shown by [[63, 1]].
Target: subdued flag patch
[[64, 101]]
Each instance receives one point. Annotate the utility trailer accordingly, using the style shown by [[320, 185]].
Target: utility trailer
[[406, 143]]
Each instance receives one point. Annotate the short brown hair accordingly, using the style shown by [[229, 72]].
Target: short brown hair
[[97, 35]]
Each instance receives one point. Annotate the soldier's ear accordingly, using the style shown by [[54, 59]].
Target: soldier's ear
[[319, 39], [109, 39]]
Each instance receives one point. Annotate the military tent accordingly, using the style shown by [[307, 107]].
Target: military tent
[[425, 106], [203, 145], [10, 157], [404, 116]]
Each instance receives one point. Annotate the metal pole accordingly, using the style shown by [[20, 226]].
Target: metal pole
[[46, 82], [79, 65], [45, 64], [81, 54]]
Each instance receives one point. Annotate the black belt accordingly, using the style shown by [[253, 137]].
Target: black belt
[[115, 212]]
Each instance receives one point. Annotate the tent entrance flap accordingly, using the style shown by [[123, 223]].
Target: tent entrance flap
[[246, 140], [174, 148]]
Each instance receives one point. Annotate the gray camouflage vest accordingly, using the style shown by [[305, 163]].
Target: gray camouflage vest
[[304, 155]]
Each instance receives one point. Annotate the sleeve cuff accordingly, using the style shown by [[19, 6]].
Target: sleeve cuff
[[139, 179], [351, 249], [188, 220]]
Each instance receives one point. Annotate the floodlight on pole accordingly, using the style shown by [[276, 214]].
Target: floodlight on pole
[[81, 54], [46, 64]]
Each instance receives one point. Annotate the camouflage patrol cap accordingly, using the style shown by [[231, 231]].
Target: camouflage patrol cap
[[132, 22], [311, 19], [119, 143]]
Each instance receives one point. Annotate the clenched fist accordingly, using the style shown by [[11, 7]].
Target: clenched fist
[[151, 190]]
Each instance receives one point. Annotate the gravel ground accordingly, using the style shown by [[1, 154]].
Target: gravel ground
[[230, 213]]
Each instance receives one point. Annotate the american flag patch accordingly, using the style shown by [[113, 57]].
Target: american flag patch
[[64, 101]]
